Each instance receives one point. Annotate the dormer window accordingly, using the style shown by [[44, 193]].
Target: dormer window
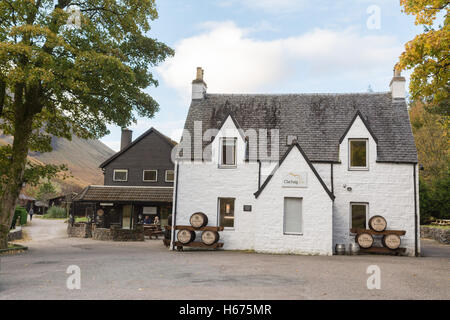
[[120, 175], [227, 152], [358, 154]]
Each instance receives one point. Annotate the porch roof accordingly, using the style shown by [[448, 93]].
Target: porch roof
[[126, 194]]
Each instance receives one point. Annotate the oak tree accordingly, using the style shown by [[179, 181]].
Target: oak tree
[[69, 67]]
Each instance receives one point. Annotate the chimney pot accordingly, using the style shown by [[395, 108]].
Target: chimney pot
[[398, 85], [126, 138], [199, 86]]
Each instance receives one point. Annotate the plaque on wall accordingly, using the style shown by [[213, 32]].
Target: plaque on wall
[[247, 208]]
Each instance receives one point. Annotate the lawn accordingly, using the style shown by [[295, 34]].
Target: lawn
[[436, 226]]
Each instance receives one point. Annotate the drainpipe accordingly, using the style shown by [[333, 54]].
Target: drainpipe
[[259, 175], [416, 222], [174, 215]]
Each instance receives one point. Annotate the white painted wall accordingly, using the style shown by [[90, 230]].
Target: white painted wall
[[316, 237], [387, 187]]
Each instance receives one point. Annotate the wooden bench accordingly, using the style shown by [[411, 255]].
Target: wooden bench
[[153, 231]]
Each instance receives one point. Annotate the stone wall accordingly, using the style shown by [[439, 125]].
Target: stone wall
[[136, 234], [15, 234], [79, 230], [101, 234], [438, 234]]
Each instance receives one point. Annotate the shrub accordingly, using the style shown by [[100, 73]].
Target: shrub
[[435, 199], [55, 213], [21, 213]]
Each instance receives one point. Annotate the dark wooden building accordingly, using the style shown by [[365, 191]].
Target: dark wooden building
[[138, 183]]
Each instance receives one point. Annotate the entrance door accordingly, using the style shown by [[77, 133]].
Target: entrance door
[[126, 216]]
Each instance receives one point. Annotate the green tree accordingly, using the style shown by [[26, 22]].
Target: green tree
[[46, 191], [429, 55], [69, 67]]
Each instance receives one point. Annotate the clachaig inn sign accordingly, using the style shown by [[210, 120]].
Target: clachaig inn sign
[[295, 180]]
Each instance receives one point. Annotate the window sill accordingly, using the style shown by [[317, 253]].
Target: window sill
[[292, 234], [358, 169], [228, 229], [221, 166]]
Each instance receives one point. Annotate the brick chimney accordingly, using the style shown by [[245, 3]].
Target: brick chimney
[[126, 138], [397, 85], [199, 86]]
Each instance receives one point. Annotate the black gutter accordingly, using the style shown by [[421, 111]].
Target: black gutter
[[174, 218], [416, 226], [332, 179]]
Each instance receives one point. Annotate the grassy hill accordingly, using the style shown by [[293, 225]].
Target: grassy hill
[[81, 156]]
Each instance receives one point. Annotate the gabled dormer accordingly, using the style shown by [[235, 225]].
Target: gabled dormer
[[358, 145], [228, 146]]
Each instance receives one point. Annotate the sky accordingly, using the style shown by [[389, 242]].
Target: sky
[[271, 46]]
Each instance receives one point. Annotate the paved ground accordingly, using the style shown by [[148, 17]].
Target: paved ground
[[148, 271]]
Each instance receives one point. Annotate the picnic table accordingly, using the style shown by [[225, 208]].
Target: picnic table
[[153, 230], [441, 222]]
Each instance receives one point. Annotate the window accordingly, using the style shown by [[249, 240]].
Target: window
[[228, 152], [293, 215], [120, 175], [358, 215], [169, 176], [358, 154], [150, 175], [226, 212]]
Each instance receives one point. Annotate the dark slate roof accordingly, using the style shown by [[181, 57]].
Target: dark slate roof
[[142, 136], [318, 120], [126, 194]]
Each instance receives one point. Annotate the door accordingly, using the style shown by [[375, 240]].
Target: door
[[126, 216]]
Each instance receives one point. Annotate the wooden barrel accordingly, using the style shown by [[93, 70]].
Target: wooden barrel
[[198, 220], [185, 236], [364, 240], [391, 241], [210, 237], [377, 223]]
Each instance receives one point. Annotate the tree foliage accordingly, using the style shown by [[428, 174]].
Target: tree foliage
[[429, 54], [432, 139], [433, 146], [59, 79]]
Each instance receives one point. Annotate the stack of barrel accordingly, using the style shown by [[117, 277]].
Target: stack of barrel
[[377, 224], [198, 221]]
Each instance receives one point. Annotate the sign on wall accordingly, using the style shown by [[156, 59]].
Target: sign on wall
[[295, 180]]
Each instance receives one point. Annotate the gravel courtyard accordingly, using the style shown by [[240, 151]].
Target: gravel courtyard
[[148, 270]]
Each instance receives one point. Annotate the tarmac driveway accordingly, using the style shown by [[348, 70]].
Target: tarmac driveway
[[111, 270]]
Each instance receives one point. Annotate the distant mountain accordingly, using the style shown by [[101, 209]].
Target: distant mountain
[[82, 157]]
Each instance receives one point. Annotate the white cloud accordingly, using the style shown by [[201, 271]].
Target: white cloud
[[234, 62]]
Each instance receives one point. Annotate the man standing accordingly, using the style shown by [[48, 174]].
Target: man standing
[[31, 212]]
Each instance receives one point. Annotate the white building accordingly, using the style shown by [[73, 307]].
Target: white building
[[333, 161]]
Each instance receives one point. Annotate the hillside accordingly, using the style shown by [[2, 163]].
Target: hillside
[[81, 156]]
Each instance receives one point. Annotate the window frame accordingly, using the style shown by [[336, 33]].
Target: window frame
[[143, 175], [284, 218], [366, 204], [173, 172], [234, 212], [221, 144], [352, 168], [120, 170]]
